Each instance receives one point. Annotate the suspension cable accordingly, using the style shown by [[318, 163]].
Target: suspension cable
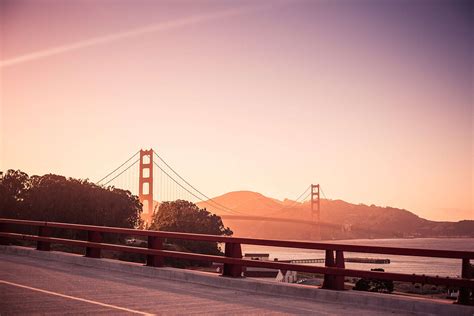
[[323, 193], [294, 202], [117, 168], [208, 198], [122, 172], [200, 199]]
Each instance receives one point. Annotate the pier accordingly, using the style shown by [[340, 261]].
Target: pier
[[354, 260]]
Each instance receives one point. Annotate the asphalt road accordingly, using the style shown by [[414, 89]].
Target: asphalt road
[[36, 286]]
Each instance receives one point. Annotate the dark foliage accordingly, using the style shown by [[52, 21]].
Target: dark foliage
[[57, 198], [374, 285], [184, 216]]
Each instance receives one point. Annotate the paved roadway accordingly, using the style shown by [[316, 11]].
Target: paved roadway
[[35, 286]]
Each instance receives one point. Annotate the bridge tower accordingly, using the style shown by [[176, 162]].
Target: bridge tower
[[315, 193], [315, 211], [145, 184]]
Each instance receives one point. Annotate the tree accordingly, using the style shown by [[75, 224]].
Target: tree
[[374, 285], [14, 185], [56, 198], [187, 217]]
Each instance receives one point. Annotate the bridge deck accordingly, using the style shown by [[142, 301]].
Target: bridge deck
[[33, 285]]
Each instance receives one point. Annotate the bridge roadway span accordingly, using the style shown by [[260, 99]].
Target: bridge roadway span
[[35, 285]]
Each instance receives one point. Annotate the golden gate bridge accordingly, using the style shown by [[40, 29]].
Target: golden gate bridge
[[149, 176]]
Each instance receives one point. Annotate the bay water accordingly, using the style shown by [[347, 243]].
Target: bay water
[[401, 264]]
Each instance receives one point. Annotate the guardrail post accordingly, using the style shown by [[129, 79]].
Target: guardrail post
[[466, 273], [157, 244], [3, 240], [232, 250], [329, 279], [43, 231], [93, 236], [339, 279]]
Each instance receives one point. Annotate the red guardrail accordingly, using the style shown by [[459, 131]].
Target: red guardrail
[[334, 270]]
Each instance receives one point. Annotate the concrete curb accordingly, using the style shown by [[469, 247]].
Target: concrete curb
[[362, 299]]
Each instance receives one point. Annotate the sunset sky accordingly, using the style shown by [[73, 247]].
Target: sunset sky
[[371, 99]]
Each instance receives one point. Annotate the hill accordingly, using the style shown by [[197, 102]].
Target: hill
[[339, 219]]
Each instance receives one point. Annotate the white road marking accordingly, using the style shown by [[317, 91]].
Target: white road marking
[[75, 298]]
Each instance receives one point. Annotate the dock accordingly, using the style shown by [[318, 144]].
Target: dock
[[353, 260]]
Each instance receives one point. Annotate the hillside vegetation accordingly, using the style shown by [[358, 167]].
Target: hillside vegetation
[[339, 219]]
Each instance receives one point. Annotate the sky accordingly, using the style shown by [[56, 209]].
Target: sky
[[371, 99]]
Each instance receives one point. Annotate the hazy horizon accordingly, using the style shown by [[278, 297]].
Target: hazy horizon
[[372, 99]]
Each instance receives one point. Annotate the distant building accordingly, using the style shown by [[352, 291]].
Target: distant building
[[287, 277]]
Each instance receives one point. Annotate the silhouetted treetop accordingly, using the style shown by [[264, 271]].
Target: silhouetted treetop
[[56, 198], [187, 217]]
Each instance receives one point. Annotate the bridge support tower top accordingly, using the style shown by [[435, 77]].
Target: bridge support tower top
[[145, 183]]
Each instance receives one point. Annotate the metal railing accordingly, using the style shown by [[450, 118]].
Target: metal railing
[[334, 270]]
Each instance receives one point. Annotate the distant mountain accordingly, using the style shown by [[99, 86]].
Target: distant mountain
[[339, 219]]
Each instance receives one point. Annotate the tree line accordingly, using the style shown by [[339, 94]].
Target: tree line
[[56, 198]]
